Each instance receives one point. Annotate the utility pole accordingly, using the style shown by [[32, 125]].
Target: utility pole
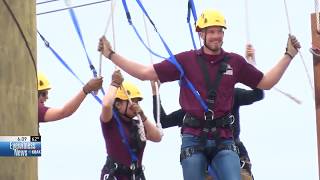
[[316, 70], [18, 83]]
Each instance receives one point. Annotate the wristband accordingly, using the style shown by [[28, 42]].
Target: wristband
[[84, 91], [286, 53], [110, 54], [115, 84], [144, 120]]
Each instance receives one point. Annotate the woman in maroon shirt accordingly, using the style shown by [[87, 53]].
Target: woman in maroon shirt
[[125, 137]]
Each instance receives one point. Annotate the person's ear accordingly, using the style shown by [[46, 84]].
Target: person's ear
[[117, 104], [201, 33]]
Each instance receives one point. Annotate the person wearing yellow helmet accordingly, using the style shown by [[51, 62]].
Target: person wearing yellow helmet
[[213, 73], [46, 114], [242, 97], [123, 139]]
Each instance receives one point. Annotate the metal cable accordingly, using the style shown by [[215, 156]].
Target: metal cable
[[45, 2], [63, 9]]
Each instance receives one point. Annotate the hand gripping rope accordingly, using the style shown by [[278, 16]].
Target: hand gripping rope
[[77, 27], [140, 125], [133, 156], [249, 42], [171, 59], [301, 57], [64, 63]]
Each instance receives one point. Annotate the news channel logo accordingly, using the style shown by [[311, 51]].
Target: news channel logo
[[20, 146]]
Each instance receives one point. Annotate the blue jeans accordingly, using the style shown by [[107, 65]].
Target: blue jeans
[[225, 164]]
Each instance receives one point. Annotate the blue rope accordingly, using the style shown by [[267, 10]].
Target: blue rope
[[77, 27], [172, 58], [65, 64], [133, 156], [192, 9], [115, 114], [136, 31]]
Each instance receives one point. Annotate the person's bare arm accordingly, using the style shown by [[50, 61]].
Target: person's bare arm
[[73, 104], [140, 71], [273, 76], [108, 99]]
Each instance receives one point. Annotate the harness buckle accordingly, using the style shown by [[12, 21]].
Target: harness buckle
[[232, 119], [213, 129], [242, 164], [206, 130], [115, 165], [107, 177], [209, 115], [132, 166]]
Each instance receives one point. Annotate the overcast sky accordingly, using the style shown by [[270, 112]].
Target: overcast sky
[[279, 134]]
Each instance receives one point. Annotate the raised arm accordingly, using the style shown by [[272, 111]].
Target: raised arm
[[137, 70], [73, 104], [273, 76], [108, 99]]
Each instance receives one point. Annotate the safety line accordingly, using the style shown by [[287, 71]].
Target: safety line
[[64, 63], [183, 80], [113, 4], [140, 124], [288, 95], [158, 123], [300, 54]]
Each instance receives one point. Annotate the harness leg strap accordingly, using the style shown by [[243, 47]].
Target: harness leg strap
[[189, 151], [231, 147]]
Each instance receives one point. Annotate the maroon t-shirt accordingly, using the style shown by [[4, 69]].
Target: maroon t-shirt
[[238, 70], [42, 109], [116, 149]]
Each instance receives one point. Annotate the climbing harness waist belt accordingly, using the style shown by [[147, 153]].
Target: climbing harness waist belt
[[209, 152], [223, 122], [114, 168]]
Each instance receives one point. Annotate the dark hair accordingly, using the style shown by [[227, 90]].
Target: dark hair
[[42, 93]]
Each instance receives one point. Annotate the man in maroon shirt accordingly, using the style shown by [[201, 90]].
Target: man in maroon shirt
[[46, 114], [207, 138]]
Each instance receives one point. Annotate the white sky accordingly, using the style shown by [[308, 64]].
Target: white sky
[[279, 134]]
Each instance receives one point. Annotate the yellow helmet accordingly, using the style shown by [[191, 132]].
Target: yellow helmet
[[131, 89], [210, 17], [43, 82]]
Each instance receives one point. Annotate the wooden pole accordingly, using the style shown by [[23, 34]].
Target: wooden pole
[[18, 83], [316, 69]]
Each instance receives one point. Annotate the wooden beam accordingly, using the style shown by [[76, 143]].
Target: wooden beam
[[316, 70]]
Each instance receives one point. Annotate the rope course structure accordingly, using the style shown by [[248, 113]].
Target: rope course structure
[[110, 21]]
